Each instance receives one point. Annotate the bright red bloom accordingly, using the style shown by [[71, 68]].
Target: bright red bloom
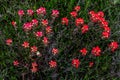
[[55, 13], [55, 51], [30, 12], [41, 11], [34, 49], [113, 46], [15, 63], [73, 13], [35, 22], [52, 64], [105, 34], [34, 64], [96, 51], [104, 23], [48, 29], [101, 13], [9, 42], [79, 21], [65, 21], [76, 63], [84, 29], [25, 44], [44, 22], [92, 12], [34, 67], [45, 40], [94, 17], [27, 26], [101, 19], [83, 51], [91, 64], [38, 34], [21, 13], [77, 8], [13, 23], [107, 29]]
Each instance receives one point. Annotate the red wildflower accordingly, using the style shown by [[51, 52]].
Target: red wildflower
[[84, 28], [44, 22], [104, 23], [13, 23], [101, 19], [9, 42], [41, 11], [34, 49], [83, 51], [52, 64], [30, 12], [15, 63], [91, 64], [34, 67], [94, 17], [45, 40], [27, 26], [76, 63], [77, 8], [107, 29], [21, 13], [55, 13], [113, 46], [73, 13], [65, 21], [101, 13], [48, 29], [105, 34], [38, 34], [79, 21], [25, 44], [35, 22], [92, 12], [55, 51], [34, 64], [96, 51]]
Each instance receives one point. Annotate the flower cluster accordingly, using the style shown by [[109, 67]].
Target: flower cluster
[[21, 13], [113, 46], [76, 63], [83, 51], [53, 64], [99, 18], [96, 51], [41, 11], [55, 13], [46, 45], [34, 67], [25, 44], [65, 21]]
